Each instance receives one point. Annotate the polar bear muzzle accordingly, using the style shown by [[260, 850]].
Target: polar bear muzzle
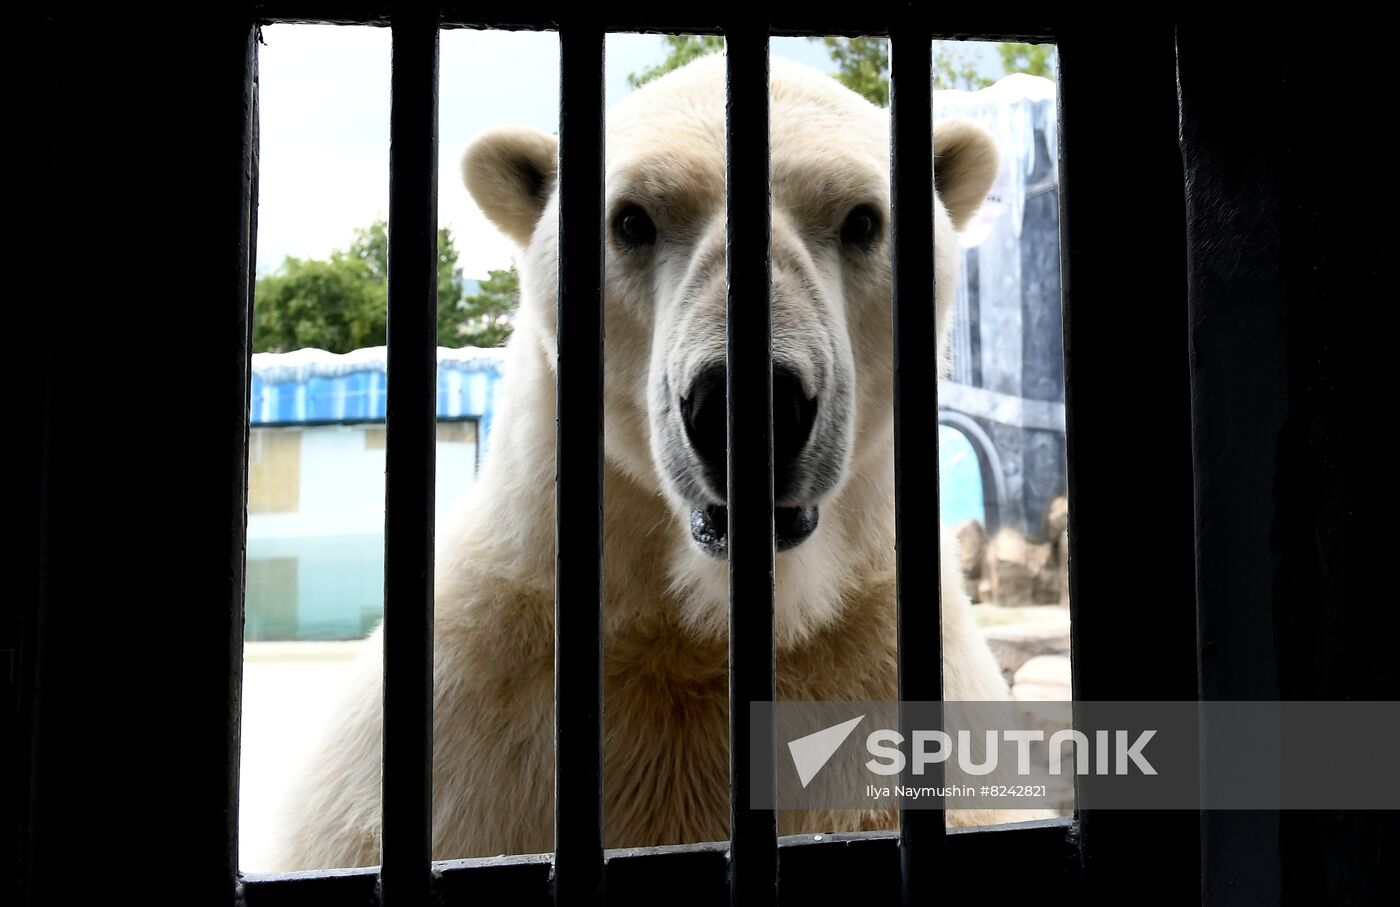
[[792, 526], [804, 460]]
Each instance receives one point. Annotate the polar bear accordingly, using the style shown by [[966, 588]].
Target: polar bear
[[665, 612]]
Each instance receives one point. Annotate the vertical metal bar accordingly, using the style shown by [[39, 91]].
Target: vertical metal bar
[[1244, 414], [1098, 259], [578, 616], [921, 832], [410, 460], [753, 849], [248, 228]]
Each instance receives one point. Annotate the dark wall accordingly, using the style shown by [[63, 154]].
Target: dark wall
[[133, 242], [1290, 219]]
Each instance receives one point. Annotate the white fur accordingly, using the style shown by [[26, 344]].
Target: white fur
[[665, 601]]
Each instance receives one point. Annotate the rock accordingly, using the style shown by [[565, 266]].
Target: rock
[[1057, 529], [1062, 555], [972, 548], [1015, 644], [1045, 677], [1021, 572], [1057, 518]]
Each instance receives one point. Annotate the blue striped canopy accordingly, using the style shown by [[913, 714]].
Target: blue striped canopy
[[313, 386]]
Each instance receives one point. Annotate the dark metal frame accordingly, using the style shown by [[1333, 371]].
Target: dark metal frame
[[1209, 246]]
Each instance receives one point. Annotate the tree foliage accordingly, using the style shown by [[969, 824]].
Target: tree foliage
[[683, 49], [488, 311], [341, 303], [863, 63], [953, 68], [1035, 59]]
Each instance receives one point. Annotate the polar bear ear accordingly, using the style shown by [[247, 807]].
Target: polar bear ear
[[964, 166], [510, 171]]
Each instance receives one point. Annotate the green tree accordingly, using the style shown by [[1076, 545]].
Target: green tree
[[487, 313], [371, 245], [683, 49], [1035, 59], [341, 303], [335, 304], [952, 68], [863, 65]]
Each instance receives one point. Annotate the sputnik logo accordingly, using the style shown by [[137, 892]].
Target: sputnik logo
[[812, 752]]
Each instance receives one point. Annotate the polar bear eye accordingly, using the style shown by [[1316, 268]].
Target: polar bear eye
[[861, 227], [634, 227]]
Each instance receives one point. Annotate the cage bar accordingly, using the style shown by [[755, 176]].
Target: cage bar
[[1106, 377], [920, 654], [578, 645], [753, 855], [411, 427], [247, 252]]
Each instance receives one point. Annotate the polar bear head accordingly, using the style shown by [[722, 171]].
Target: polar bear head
[[665, 290]]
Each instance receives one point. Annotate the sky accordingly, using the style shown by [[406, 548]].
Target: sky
[[324, 137]]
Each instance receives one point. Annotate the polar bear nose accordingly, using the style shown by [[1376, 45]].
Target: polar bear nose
[[794, 414]]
